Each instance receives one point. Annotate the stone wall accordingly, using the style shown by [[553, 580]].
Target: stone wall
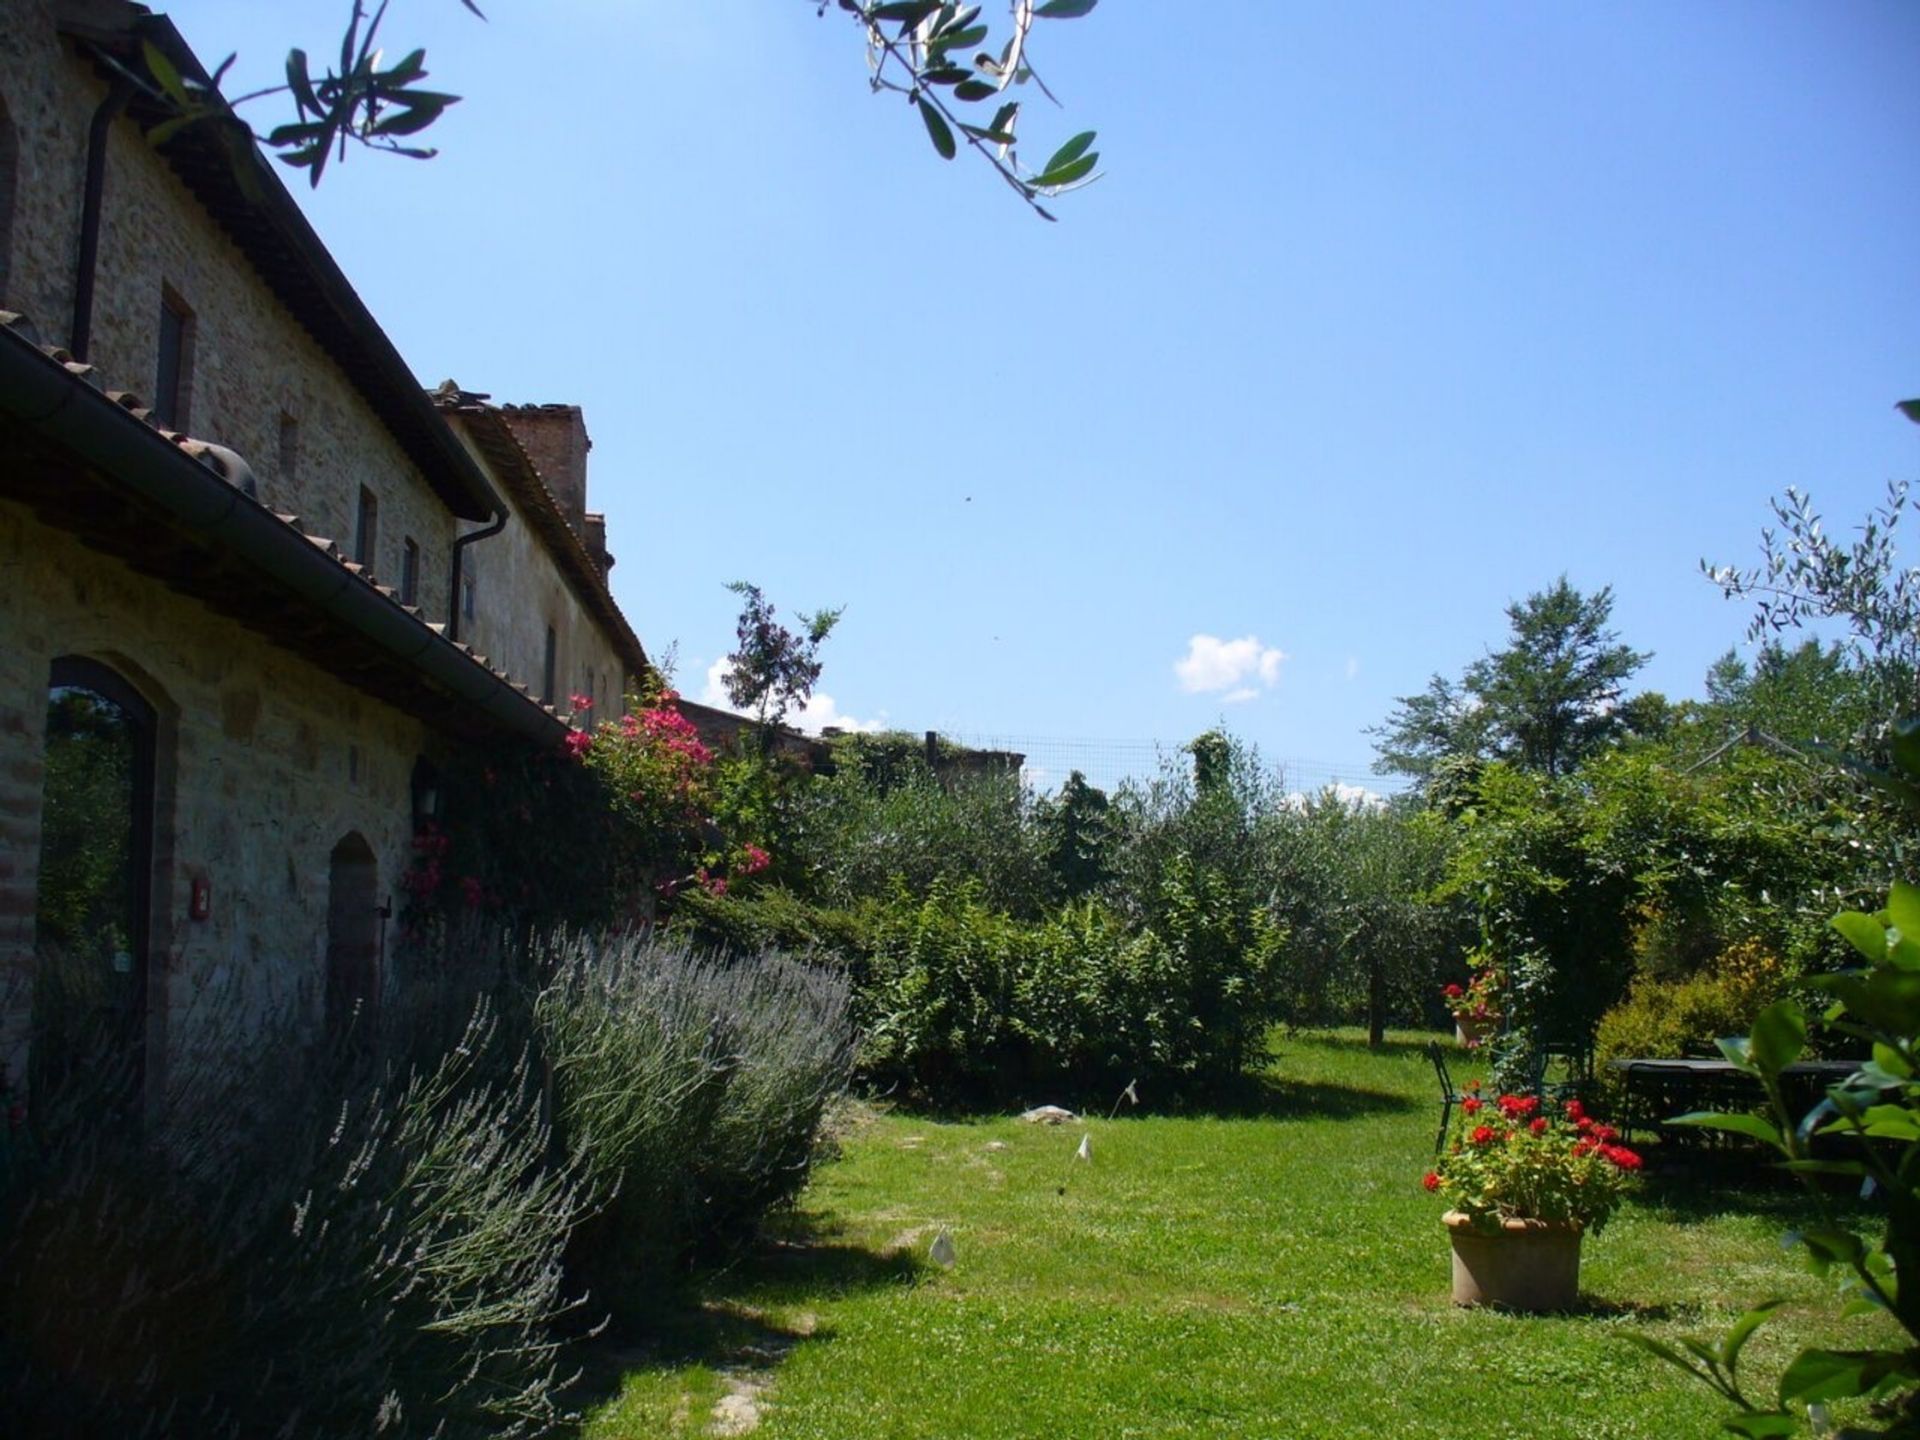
[[519, 591], [264, 764], [259, 384]]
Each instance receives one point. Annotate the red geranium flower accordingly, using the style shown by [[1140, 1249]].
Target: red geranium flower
[[1482, 1135], [1472, 1105], [1538, 1125], [1431, 1181]]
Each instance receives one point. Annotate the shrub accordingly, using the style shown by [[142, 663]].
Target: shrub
[[963, 1002], [1689, 1017], [689, 1090], [864, 831], [373, 1247]]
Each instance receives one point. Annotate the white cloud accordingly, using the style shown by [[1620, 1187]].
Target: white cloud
[[1212, 664], [1354, 797], [820, 711], [1240, 696]]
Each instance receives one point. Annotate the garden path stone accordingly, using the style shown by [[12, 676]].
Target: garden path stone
[[1048, 1115]]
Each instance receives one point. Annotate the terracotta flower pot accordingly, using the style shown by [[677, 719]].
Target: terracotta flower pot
[[1518, 1264], [1473, 1031]]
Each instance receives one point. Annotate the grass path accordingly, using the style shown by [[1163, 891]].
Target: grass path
[[1279, 1273]]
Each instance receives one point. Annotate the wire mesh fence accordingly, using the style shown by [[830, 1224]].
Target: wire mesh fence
[[1107, 763]]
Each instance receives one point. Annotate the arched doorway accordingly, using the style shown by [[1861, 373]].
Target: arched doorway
[[93, 904], [353, 935]]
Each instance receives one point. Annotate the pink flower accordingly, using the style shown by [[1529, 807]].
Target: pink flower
[[577, 743], [756, 861], [580, 702]]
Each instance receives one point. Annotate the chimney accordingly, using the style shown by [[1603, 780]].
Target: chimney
[[596, 538], [555, 438]]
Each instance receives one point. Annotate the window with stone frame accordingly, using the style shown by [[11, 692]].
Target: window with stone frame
[[366, 529], [409, 571], [173, 362]]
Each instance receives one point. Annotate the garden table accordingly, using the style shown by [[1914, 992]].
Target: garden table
[[1657, 1089]]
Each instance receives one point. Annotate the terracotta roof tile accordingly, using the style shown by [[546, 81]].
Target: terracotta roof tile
[[222, 462]]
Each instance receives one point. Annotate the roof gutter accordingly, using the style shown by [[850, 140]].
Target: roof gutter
[[47, 397]]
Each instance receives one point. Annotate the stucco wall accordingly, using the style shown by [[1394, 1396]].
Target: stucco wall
[[252, 363], [265, 763]]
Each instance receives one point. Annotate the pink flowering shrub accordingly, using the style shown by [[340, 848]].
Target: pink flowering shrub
[[660, 780]]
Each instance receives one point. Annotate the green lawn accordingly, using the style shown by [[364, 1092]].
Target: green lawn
[[1273, 1273]]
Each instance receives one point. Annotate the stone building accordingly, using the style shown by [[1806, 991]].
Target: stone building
[[255, 583]]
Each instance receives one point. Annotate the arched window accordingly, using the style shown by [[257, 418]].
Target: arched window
[[353, 935], [94, 902]]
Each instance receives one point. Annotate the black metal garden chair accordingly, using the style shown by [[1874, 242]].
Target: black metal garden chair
[[1449, 1097]]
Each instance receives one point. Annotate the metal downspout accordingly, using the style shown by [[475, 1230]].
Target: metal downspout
[[80, 336], [453, 584]]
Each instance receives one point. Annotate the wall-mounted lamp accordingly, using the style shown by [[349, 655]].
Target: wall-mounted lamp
[[426, 794]]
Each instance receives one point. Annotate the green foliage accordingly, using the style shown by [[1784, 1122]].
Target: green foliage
[[935, 54], [863, 831], [1805, 574], [1877, 1110], [1352, 882], [1519, 1159], [1208, 817], [1544, 703], [924, 56], [965, 1002], [359, 101], [526, 838], [772, 668], [1557, 924], [1689, 1017], [769, 918], [1078, 833], [361, 1245], [388, 1238], [1812, 693], [688, 1091]]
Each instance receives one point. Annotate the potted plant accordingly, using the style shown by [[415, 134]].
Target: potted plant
[[1475, 1007], [1525, 1181]]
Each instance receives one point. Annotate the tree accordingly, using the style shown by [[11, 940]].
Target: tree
[[915, 48], [1077, 836], [1544, 703], [774, 669], [1443, 722], [1805, 575], [1810, 693]]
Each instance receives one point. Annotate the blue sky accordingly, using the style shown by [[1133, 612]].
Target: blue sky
[[1383, 316]]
